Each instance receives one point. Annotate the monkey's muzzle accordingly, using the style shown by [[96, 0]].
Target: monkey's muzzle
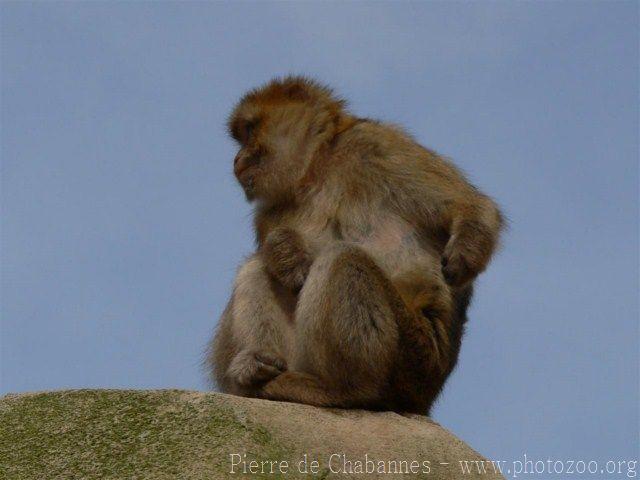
[[243, 163]]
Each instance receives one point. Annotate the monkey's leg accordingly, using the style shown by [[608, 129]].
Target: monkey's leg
[[259, 323], [346, 334]]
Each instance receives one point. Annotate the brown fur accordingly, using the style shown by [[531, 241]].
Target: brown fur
[[368, 245]]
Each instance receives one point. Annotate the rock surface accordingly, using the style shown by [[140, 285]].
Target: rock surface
[[174, 434]]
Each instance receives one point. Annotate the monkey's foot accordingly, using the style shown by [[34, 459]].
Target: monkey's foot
[[249, 367], [299, 387]]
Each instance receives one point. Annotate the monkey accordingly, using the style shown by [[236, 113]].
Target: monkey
[[368, 245]]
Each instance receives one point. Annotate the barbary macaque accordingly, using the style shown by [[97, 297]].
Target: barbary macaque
[[367, 248]]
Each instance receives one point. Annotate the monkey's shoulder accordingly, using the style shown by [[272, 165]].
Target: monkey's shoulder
[[370, 139]]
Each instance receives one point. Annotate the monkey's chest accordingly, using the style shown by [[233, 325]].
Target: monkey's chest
[[393, 243], [398, 250]]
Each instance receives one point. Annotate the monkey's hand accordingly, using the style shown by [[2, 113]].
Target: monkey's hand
[[474, 229], [250, 368], [286, 257], [465, 257]]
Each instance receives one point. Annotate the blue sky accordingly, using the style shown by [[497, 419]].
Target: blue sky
[[122, 224]]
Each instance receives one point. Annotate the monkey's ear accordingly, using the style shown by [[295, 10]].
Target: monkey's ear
[[297, 90]]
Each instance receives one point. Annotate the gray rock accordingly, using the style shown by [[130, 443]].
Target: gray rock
[[173, 434]]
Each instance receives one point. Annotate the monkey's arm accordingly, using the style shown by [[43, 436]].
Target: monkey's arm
[[286, 257], [438, 198], [250, 345]]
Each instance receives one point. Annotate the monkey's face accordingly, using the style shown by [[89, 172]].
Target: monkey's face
[[279, 128], [274, 148]]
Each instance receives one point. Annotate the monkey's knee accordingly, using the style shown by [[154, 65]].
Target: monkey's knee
[[347, 288], [251, 276]]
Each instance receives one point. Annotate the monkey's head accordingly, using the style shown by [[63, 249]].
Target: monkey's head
[[281, 128]]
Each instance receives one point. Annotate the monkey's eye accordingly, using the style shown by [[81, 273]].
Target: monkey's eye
[[242, 129], [250, 128], [247, 130], [429, 312]]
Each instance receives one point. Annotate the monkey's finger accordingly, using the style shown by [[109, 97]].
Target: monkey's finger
[[254, 373], [271, 361], [264, 373], [456, 272]]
